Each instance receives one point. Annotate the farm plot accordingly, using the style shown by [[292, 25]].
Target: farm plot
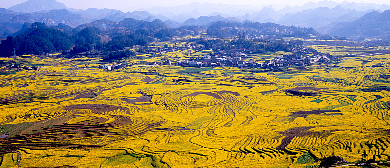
[[67, 114]]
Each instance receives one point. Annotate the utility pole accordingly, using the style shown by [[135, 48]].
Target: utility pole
[[14, 51]]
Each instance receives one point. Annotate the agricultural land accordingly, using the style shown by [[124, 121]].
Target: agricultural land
[[157, 110]]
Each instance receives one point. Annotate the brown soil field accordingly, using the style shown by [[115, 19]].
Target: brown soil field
[[138, 99], [147, 79], [304, 91], [316, 112], [213, 94], [58, 133], [298, 132], [95, 108], [86, 95]]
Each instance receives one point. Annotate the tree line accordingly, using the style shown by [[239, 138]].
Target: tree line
[[109, 37], [39, 38], [223, 29]]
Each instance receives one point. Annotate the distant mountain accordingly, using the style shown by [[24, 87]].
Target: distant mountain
[[259, 13], [6, 15], [172, 24], [364, 6], [132, 24], [139, 15], [7, 28], [371, 25], [50, 18], [207, 20], [332, 4], [96, 14], [116, 15], [11, 22], [194, 10], [324, 16], [37, 5], [320, 18], [255, 29], [266, 14], [109, 26], [320, 15], [65, 28], [103, 24]]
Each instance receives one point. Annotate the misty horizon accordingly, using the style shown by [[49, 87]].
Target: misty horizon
[[326, 17], [126, 6]]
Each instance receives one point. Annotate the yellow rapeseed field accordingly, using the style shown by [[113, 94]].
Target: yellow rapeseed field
[[71, 113]]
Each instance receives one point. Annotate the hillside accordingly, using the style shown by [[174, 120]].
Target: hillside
[[371, 25], [255, 29], [207, 20], [319, 18], [37, 5], [11, 22]]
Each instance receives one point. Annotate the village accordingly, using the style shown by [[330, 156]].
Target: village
[[236, 59], [200, 56], [300, 57]]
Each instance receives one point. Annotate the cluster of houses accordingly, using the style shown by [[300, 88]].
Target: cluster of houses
[[217, 60], [112, 67], [17, 66], [300, 56], [298, 60], [238, 61]]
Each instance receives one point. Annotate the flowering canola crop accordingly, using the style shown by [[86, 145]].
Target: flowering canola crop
[[70, 113]]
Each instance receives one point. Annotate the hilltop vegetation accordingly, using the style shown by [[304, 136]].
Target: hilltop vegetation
[[258, 30], [104, 35], [41, 39]]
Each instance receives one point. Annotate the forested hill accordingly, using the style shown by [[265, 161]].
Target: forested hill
[[220, 29], [258, 30], [107, 36], [37, 39], [101, 35], [11, 22]]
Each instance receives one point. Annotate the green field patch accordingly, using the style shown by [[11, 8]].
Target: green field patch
[[132, 159], [376, 89], [8, 160], [352, 97], [7, 72], [307, 158], [317, 100]]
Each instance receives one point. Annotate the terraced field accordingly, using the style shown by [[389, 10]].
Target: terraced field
[[70, 113]]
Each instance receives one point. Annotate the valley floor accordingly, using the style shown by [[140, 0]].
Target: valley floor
[[71, 113]]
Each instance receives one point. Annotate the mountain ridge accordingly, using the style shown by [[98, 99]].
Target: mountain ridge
[[330, 19], [37, 5], [372, 25]]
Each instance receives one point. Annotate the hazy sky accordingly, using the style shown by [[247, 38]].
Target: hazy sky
[[130, 5]]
